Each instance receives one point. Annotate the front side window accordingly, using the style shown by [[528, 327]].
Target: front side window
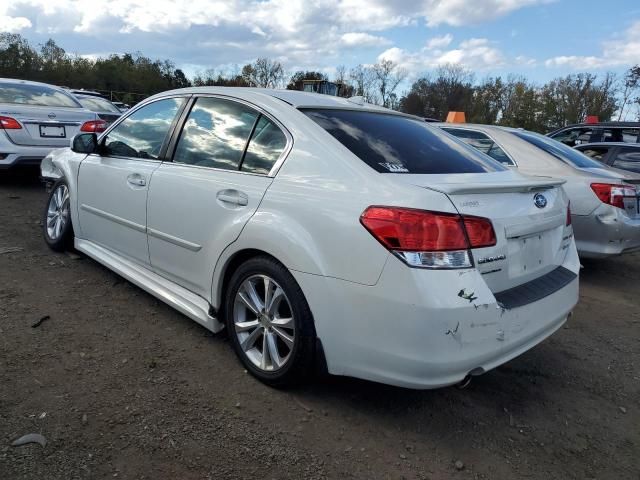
[[628, 159], [482, 142], [142, 134], [559, 150], [391, 143], [215, 134], [36, 95]]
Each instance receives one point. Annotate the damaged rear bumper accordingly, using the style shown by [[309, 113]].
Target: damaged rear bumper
[[413, 329], [607, 231]]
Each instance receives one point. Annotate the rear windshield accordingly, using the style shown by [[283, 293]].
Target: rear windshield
[[38, 95], [396, 144], [558, 150], [97, 104]]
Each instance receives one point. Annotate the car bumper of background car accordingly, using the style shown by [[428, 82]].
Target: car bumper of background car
[[12, 155], [412, 329], [607, 231]]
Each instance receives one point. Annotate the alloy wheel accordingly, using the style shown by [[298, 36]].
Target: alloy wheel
[[264, 323], [58, 212]]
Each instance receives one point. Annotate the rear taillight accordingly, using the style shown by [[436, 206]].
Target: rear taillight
[[9, 123], [568, 222], [94, 126], [428, 239], [613, 194]]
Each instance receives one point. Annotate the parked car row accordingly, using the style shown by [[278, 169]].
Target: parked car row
[[324, 232], [36, 118]]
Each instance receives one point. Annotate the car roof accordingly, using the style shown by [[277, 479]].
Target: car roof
[[478, 126], [295, 98], [86, 93], [29, 82], [598, 124], [608, 144]]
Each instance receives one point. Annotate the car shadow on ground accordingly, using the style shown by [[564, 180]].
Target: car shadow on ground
[[21, 177]]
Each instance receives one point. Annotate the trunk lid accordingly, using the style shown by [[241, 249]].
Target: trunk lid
[[529, 217], [45, 126]]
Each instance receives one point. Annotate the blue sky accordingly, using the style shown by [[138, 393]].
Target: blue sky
[[539, 39]]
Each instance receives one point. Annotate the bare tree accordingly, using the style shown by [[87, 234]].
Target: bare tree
[[387, 76], [264, 73], [631, 87], [342, 79], [363, 82]]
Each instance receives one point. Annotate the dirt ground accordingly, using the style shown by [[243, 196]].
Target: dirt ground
[[122, 386]]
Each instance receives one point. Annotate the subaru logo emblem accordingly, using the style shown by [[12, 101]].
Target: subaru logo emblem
[[540, 200], [52, 115]]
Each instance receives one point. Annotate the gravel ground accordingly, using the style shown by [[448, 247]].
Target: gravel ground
[[122, 386]]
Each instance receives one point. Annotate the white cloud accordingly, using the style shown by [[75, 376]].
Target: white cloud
[[465, 12], [475, 53], [621, 51], [439, 42], [361, 39], [13, 24], [300, 33]]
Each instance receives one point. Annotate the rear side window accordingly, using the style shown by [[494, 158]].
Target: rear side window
[[628, 159], [35, 95], [266, 145], [482, 142], [559, 150], [594, 152], [397, 144], [97, 104], [215, 134], [627, 135]]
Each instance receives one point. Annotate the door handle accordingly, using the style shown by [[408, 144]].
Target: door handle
[[137, 180], [233, 197]]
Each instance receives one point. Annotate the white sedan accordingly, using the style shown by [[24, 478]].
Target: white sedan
[[321, 231]]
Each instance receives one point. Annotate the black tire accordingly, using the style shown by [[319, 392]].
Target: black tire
[[64, 240], [300, 362]]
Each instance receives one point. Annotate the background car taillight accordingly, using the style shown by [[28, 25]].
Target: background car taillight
[[94, 126], [9, 123], [613, 194], [428, 239], [568, 222]]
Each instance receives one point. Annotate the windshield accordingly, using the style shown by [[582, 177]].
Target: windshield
[[38, 95], [97, 104], [558, 150], [391, 143]]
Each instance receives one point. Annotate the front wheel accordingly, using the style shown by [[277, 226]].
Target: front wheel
[[270, 323], [58, 232]]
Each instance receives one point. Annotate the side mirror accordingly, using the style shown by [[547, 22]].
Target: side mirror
[[85, 143]]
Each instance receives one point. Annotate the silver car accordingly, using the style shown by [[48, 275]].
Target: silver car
[[106, 110], [36, 118], [605, 201]]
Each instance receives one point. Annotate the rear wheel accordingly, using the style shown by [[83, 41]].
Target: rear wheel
[[58, 232], [269, 322]]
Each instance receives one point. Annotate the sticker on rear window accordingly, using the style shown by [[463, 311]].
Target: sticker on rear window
[[394, 167]]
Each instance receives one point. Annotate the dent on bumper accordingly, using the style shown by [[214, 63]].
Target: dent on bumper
[[406, 333], [607, 231]]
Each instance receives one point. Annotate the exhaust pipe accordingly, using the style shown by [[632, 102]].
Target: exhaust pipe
[[466, 381]]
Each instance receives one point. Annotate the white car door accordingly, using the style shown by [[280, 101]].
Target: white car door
[[223, 161], [113, 184]]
